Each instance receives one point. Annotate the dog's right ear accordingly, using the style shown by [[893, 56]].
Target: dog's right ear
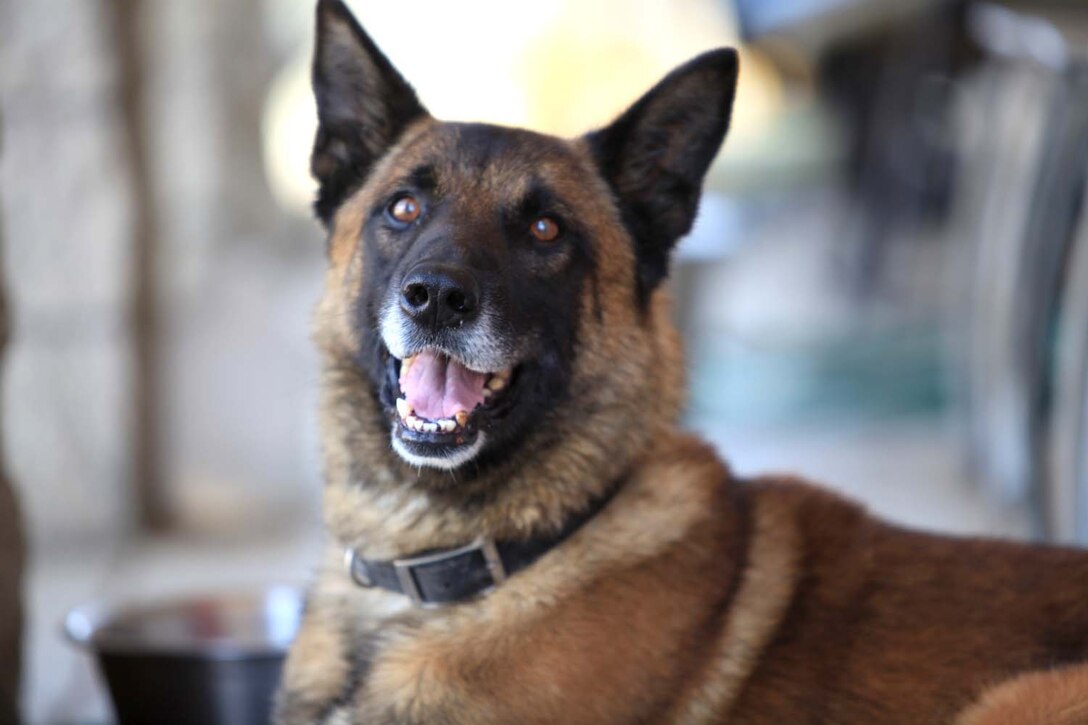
[[363, 106], [656, 154]]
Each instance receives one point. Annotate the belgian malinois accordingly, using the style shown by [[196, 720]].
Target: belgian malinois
[[528, 537]]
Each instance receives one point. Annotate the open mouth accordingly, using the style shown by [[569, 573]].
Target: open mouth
[[441, 402]]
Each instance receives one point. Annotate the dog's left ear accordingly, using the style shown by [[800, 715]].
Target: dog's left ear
[[655, 155], [363, 106]]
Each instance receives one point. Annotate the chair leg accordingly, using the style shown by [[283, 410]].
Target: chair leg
[[11, 615]]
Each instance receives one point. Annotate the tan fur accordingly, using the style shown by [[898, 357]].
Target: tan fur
[[770, 578], [319, 661], [1037, 698]]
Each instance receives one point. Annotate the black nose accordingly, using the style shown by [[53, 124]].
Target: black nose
[[440, 295]]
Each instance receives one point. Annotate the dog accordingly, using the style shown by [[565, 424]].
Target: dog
[[518, 531]]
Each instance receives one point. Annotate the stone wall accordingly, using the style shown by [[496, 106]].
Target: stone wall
[[65, 192], [235, 276]]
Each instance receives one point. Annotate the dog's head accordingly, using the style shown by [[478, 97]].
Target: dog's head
[[494, 285]]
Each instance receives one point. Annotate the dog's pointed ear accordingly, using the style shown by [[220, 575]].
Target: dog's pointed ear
[[363, 105], [655, 155]]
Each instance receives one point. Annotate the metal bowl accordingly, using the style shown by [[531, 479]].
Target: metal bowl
[[203, 659]]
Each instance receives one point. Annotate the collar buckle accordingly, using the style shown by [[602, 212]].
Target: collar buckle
[[357, 569], [405, 568]]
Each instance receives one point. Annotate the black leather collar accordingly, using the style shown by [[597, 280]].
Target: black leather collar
[[437, 577]]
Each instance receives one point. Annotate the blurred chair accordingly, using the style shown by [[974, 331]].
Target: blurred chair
[[1024, 136], [886, 69], [971, 119], [11, 567], [1067, 426]]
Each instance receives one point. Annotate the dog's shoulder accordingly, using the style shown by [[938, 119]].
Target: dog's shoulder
[[681, 460]]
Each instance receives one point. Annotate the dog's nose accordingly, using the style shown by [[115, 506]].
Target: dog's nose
[[440, 295]]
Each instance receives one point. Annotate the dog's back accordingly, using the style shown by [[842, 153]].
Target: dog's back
[[888, 625]]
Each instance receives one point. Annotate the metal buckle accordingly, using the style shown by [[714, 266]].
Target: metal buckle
[[357, 569], [406, 577]]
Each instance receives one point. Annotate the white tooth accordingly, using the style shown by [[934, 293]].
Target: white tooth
[[496, 383], [406, 365], [413, 422], [461, 417], [403, 408], [430, 427], [447, 425]]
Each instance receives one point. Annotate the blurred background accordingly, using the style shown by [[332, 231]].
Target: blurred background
[[887, 288]]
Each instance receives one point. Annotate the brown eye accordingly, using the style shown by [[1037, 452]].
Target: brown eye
[[545, 229], [405, 209]]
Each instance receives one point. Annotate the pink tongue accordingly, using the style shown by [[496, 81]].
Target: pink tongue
[[438, 387]]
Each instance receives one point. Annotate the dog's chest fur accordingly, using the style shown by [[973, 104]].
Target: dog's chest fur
[[673, 535]]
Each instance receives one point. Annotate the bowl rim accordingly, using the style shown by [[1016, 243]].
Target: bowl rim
[[86, 625]]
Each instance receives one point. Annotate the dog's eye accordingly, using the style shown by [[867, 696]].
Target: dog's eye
[[405, 209], [545, 229]]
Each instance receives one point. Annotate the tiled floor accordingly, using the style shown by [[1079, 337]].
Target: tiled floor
[[908, 472]]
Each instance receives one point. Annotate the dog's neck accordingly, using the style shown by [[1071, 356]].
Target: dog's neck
[[384, 508]]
